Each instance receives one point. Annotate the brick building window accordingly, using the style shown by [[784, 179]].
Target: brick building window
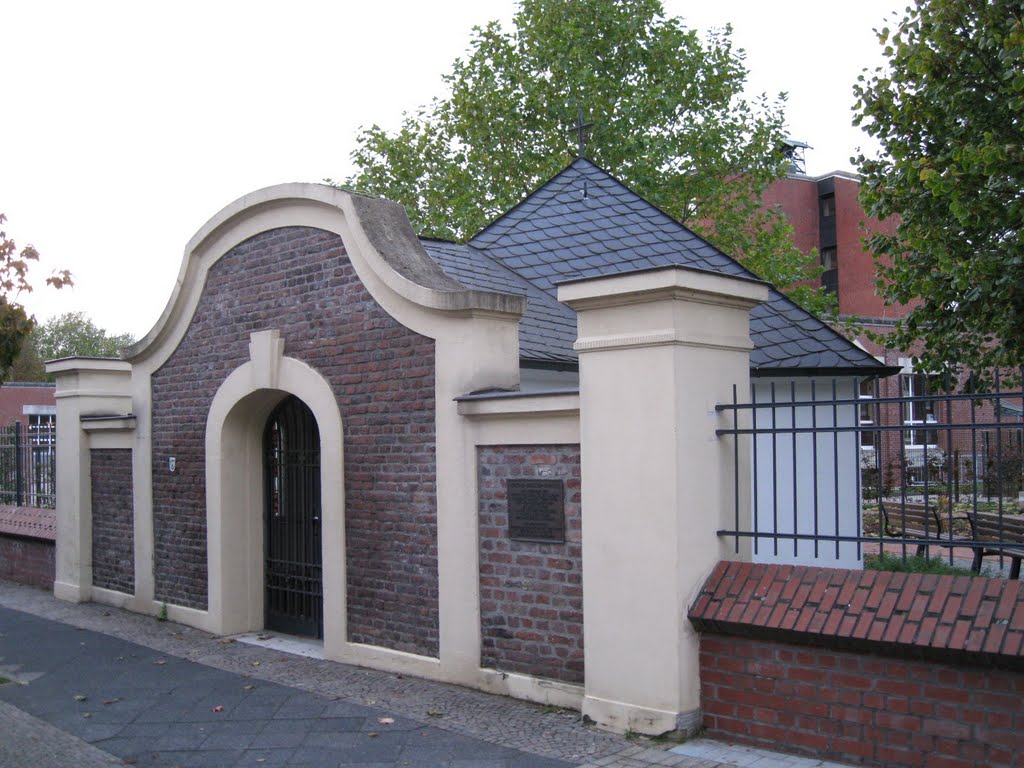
[[866, 415], [830, 263], [42, 459], [917, 412]]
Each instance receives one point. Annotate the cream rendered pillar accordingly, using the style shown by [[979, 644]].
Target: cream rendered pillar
[[85, 387], [658, 350]]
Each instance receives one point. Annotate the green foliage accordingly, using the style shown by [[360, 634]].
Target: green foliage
[[947, 112], [28, 365], [913, 564], [15, 323], [668, 120], [75, 335]]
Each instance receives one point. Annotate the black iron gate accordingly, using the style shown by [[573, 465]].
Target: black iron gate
[[292, 571]]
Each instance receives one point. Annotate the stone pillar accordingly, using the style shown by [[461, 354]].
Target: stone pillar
[[86, 387], [658, 350]]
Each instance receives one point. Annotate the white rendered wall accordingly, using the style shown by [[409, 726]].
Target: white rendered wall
[[801, 490]]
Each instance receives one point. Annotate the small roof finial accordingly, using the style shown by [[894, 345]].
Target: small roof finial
[[583, 132]]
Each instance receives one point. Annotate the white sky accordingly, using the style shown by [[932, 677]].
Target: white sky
[[127, 125]]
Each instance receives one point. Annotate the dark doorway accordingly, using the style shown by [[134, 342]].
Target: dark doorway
[[292, 570]]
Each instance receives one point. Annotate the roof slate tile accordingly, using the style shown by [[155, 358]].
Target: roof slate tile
[[557, 233]]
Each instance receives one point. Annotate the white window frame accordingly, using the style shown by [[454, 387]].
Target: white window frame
[[867, 402], [909, 382]]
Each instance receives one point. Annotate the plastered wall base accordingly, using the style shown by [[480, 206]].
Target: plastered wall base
[[535, 689], [622, 717], [72, 593]]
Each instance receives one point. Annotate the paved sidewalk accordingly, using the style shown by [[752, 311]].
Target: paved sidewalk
[[93, 682]]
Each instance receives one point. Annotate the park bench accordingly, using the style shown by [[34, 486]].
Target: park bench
[[912, 520], [1003, 535]]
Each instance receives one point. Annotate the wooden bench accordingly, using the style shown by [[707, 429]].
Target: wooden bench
[[1006, 535], [915, 521]]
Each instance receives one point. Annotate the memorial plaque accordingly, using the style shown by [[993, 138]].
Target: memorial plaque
[[536, 510]]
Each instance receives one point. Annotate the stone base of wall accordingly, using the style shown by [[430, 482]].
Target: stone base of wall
[[880, 669], [27, 561]]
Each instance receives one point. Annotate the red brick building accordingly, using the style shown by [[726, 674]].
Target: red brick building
[[20, 401], [827, 216]]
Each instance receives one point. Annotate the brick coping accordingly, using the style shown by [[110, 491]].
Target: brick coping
[[944, 618], [29, 522]]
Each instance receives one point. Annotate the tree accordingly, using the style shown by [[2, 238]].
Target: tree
[[73, 334], [28, 365], [948, 111], [15, 322], [668, 120]]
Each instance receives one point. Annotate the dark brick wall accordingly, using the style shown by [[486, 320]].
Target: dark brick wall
[[531, 594], [27, 561], [113, 519], [866, 667], [300, 281]]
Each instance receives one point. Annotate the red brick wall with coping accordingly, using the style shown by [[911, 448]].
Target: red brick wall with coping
[[872, 668], [531, 594], [27, 545]]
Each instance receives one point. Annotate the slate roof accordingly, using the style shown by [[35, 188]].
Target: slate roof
[[585, 223]]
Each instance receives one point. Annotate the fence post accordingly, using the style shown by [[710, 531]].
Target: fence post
[[658, 350], [19, 458]]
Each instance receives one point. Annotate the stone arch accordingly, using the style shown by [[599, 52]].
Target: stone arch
[[234, 488]]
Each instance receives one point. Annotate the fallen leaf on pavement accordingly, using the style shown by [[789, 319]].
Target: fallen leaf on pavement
[[111, 701], [227, 641], [371, 734]]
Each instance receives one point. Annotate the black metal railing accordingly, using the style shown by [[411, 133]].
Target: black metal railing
[[28, 464], [838, 465]]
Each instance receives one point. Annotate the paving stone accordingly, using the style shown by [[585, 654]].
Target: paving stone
[[169, 678]]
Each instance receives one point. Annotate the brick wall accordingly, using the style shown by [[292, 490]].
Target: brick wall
[[531, 594], [870, 668], [113, 519], [300, 281], [27, 561]]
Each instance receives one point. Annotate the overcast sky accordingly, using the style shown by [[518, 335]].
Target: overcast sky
[[127, 125]]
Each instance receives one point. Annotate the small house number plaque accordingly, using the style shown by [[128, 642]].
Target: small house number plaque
[[536, 510]]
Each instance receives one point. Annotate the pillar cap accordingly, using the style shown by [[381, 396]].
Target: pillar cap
[[661, 283]]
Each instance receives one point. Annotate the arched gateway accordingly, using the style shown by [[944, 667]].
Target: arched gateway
[[292, 571]]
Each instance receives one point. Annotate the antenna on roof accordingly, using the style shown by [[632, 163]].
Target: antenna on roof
[[583, 132]]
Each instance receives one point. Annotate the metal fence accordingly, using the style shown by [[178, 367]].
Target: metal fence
[[28, 463], [845, 466]]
